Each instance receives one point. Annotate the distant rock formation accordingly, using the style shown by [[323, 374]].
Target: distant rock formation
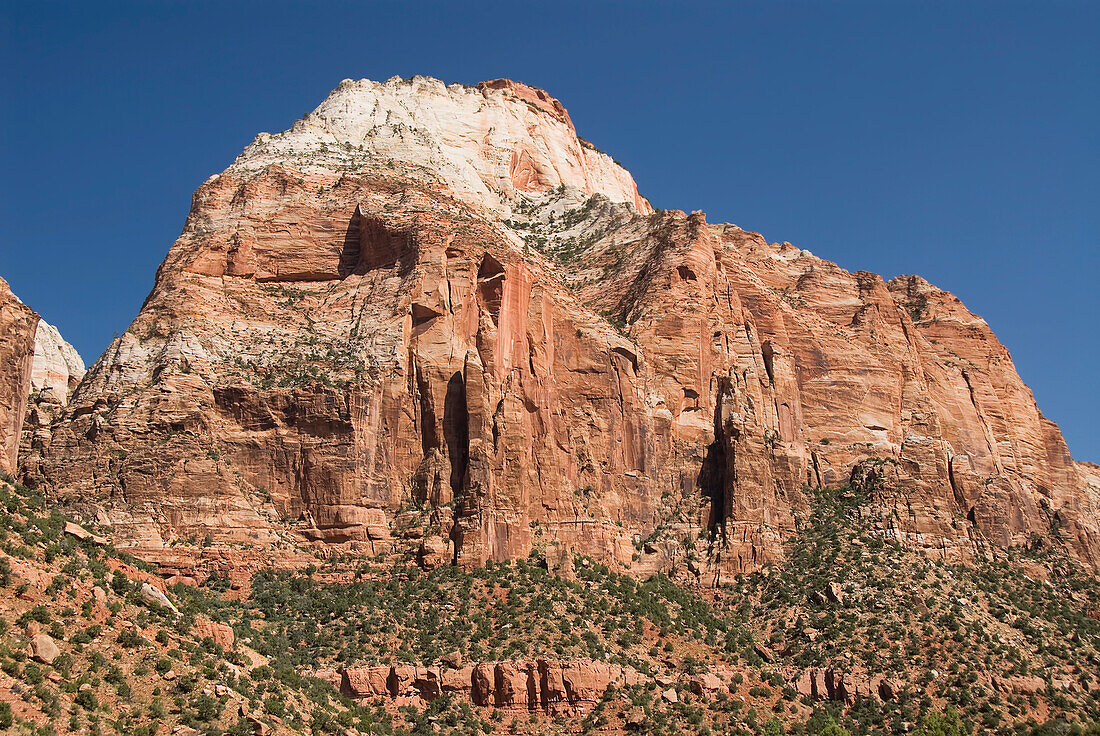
[[57, 367]]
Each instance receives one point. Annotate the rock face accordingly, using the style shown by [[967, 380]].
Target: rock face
[[56, 370], [829, 684], [532, 684], [17, 331], [221, 634], [440, 295], [33, 357], [57, 367], [487, 144]]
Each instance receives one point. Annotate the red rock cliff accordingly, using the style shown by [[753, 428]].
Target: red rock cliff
[[17, 329], [435, 295]]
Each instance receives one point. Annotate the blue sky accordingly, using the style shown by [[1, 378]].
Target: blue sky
[[955, 140]]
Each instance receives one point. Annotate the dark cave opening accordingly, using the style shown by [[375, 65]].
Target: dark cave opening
[[456, 431], [712, 476], [768, 352], [429, 438]]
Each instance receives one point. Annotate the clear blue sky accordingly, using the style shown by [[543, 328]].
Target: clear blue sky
[[955, 140]]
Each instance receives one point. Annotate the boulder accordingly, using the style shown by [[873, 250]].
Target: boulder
[[434, 552], [258, 727], [43, 649], [889, 688], [156, 596], [764, 653], [79, 532], [707, 682]]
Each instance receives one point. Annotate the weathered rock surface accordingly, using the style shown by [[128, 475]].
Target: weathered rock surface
[[155, 595], [487, 143], [845, 687], [43, 649], [79, 532], [531, 684], [57, 366], [17, 330], [219, 633], [411, 296], [1025, 684]]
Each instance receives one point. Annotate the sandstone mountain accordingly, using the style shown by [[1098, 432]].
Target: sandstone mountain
[[437, 299]]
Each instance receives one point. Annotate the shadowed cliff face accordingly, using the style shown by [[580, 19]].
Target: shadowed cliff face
[[342, 332]]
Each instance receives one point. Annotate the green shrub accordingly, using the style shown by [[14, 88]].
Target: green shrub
[[87, 700]]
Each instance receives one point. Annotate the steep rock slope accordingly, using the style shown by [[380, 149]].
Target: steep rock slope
[[438, 297], [56, 370], [38, 371], [17, 328]]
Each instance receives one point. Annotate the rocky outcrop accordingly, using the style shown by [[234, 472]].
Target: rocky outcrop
[[1019, 684], [845, 687], [532, 684], [221, 634], [80, 533], [436, 296], [17, 330]]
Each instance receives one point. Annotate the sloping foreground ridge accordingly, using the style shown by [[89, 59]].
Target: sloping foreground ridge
[[439, 295]]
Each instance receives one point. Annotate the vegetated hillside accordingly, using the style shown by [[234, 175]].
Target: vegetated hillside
[[805, 647]]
